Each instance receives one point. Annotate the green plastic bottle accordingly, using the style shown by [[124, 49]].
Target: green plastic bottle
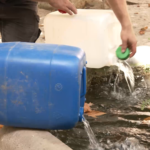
[[122, 56]]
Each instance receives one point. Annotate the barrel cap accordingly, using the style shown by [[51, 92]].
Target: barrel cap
[[122, 56]]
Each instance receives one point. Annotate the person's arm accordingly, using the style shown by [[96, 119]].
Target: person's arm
[[64, 5], [127, 35]]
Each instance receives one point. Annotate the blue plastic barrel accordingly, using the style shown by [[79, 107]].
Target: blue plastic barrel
[[41, 85]]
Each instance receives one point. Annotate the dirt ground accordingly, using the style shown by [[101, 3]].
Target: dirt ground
[[140, 16]]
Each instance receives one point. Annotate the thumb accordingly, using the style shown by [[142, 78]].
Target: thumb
[[124, 46]]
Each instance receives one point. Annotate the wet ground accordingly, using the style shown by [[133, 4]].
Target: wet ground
[[123, 126]]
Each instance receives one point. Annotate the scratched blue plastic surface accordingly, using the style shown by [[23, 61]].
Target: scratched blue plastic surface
[[41, 85]]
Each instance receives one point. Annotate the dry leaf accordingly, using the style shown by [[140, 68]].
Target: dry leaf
[[146, 121], [87, 108], [148, 118], [136, 13], [1, 126], [142, 32], [144, 29], [90, 104], [148, 5], [95, 113]]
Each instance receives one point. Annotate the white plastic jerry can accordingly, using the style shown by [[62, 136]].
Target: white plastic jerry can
[[97, 32]]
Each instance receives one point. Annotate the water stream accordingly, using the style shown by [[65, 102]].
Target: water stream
[[93, 141], [129, 77], [128, 74]]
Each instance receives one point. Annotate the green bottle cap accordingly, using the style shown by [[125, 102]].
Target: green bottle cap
[[122, 56]]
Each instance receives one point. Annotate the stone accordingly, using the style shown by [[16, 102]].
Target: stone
[[25, 139]]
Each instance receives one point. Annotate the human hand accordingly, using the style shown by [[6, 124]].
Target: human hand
[[64, 5], [128, 40]]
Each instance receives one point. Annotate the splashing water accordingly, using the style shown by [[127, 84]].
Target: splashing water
[[93, 142], [122, 94], [128, 73]]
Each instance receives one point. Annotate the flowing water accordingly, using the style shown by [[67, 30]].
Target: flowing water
[[129, 77], [93, 141], [128, 74]]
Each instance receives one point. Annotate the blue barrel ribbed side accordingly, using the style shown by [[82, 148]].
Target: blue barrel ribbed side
[[40, 85]]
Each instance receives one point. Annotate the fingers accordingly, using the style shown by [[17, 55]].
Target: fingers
[[128, 40], [131, 46], [133, 50], [124, 45], [64, 6], [72, 8], [68, 11]]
